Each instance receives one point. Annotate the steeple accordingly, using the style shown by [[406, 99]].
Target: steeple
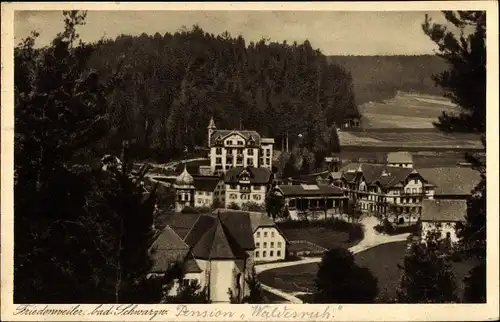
[[211, 129], [211, 125]]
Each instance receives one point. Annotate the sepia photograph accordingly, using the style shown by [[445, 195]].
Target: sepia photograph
[[248, 157]]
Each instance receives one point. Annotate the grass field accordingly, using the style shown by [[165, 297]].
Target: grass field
[[381, 260], [405, 111]]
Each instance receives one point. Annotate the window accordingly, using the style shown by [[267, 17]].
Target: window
[[227, 167], [185, 282], [268, 161], [218, 151], [229, 142], [250, 152], [272, 244], [265, 234], [272, 234], [256, 188], [233, 186], [257, 245], [268, 152], [265, 245], [218, 160], [257, 253], [258, 234], [278, 253], [414, 190], [240, 142], [279, 244], [264, 254], [239, 151], [233, 196], [256, 197], [271, 253], [229, 152], [250, 161]]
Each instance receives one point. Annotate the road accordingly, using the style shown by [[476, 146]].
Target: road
[[372, 238]]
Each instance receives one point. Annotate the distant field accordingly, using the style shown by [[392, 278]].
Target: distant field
[[405, 110]]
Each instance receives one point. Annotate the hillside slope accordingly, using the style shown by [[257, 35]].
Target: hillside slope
[[378, 78]]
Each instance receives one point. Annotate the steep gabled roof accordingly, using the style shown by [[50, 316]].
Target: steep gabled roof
[[223, 134], [218, 243], [239, 225], [385, 175], [206, 183], [167, 249], [443, 210], [257, 175]]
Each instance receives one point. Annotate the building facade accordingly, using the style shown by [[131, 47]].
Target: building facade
[[396, 193], [312, 201], [246, 185], [238, 148]]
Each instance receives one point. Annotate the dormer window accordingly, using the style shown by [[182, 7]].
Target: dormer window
[[229, 142]]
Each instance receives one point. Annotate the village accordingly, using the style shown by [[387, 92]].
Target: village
[[231, 213], [167, 164]]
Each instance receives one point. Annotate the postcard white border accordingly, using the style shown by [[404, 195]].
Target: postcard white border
[[372, 312]]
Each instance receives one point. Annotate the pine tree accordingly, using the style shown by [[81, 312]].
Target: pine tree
[[427, 275], [465, 81], [341, 280]]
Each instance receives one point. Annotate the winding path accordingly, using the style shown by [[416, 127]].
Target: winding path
[[372, 238]]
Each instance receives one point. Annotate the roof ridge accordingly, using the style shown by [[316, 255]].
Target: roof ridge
[[190, 229]]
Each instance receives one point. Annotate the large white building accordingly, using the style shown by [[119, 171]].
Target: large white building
[[238, 148]]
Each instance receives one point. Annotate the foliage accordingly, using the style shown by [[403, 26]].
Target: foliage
[[475, 284], [427, 275], [354, 210], [465, 81], [252, 206], [341, 280], [190, 292], [256, 293], [175, 82], [234, 206], [217, 203], [274, 204], [85, 230]]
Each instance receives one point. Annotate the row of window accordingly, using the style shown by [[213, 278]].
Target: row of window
[[244, 196], [271, 253], [271, 245], [234, 187], [265, 234]]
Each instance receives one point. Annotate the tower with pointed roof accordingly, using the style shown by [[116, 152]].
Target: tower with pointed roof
[[211, 128], [184, 190]]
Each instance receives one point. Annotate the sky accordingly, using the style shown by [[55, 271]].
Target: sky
[[333, 32]]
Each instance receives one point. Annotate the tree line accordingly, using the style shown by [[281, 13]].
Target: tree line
[[173, 83]]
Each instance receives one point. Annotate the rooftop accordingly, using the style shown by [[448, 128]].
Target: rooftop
[[310, 190], [452, 180], [256, 175], [399, 157], [443, 210]]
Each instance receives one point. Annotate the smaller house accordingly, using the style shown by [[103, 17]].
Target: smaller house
[[442, 216], [312, 200], [207, 190], [400, 159], [270, 242], [245, 185]]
